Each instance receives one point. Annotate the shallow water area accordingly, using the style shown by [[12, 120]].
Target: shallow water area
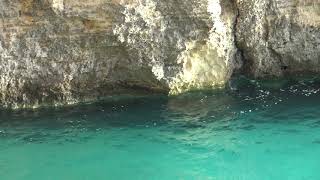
[[251, 132]]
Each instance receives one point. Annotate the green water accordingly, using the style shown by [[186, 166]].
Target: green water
[[251, 133]]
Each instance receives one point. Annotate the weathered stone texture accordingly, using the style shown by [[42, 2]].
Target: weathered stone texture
[[66, 51], [279, 37]]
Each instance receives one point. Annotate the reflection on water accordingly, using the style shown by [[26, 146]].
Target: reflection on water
[[257, 130]]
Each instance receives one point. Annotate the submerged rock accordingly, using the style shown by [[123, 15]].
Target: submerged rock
[[67, 51]]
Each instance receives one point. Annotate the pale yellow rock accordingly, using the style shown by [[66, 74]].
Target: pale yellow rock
[[58, 5], [209, 63]]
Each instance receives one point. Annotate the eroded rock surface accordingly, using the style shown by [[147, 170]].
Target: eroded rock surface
[[279, 37], [66, 51], [187, 44]]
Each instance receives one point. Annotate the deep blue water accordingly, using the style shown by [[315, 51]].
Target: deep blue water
[[249, 133]]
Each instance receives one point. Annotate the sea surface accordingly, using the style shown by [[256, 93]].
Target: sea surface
[[249, 131]]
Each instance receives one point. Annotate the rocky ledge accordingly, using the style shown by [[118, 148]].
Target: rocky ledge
[[67, 51]]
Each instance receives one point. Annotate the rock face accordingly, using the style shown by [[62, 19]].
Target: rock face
[[65, 51], [187, 44], [279, 37]]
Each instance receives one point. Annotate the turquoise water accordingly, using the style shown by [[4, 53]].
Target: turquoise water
[[250, 133]]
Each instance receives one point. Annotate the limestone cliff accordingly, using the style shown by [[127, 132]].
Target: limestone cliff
[[279, 37], [66, 51]]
